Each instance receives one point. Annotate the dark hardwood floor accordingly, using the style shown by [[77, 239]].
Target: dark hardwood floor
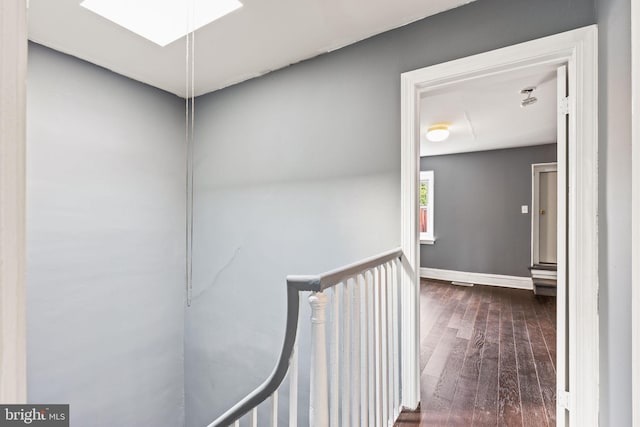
[[487, 357]]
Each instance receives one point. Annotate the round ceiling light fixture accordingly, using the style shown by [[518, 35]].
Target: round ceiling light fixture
[[438, 132]]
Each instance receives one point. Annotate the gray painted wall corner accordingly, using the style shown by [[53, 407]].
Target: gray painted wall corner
[[105, 244]]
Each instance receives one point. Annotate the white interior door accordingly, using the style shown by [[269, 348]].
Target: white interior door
[[548, 216], [562, 325]]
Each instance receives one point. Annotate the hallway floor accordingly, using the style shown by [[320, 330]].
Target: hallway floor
[[487, 357]]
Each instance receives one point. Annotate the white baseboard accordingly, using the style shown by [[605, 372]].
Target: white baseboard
[[516, 282], [544, 274]]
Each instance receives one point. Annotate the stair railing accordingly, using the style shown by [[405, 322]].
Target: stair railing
[[355, 374]]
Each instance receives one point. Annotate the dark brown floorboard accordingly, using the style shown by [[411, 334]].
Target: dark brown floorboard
[[487, 357], [544, 365], [509, 410], [461, 413]]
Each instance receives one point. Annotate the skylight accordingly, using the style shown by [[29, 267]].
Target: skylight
[[162, 21]]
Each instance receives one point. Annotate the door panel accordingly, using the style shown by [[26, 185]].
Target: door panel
[[563, 349]]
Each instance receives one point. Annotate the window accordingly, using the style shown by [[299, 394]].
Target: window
[[426, 207]]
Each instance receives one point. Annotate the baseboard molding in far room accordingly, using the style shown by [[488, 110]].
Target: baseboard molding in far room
[[500, 280]]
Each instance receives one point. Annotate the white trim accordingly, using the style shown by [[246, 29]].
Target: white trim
[[13, 64], [578, 49], [635, 216], [544, 274], [564, 306], [409, 241], [429, 236], [548, 166], [499, 280], [536, 168]]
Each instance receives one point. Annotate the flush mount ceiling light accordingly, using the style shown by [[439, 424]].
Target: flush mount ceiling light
[[162, 21], [438, 132]]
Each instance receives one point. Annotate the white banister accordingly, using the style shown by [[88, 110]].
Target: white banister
[[319, 396], [360, 385]]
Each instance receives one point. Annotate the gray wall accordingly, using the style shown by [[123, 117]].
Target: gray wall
[[478, 224], [328, 129], [298, 171], [615, 210], [105, 238]]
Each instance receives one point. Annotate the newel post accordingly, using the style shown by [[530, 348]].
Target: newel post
[[319, 399]]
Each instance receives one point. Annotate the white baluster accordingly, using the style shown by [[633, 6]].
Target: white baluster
[[335, 359], [293, 388], [396, 339], [364, 331], [378, 344], [355, 353], [319, 399], [389, 278], [372, 348], [236, 424], [346, 344], [387, 333], [385, 345], [274, 409], [253, 419]]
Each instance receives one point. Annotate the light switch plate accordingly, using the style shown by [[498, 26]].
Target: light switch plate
[[525, 209]]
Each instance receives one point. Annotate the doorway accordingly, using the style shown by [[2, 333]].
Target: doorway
[[544, 227], [488, 343], [577, 377], [545, 213]]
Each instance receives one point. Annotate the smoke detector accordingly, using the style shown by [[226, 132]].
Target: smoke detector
[[529, 100]]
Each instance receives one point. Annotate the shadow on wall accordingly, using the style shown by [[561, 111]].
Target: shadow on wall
[[247, 241]]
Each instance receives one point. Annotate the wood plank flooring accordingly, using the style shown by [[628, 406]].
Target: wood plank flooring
[[487, 357]]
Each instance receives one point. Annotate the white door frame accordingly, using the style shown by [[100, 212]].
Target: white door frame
[[578, 49], [635, 216], [536, 169], [13, 62]]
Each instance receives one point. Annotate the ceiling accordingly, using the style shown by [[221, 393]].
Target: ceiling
[[260, 37], [485, 113]]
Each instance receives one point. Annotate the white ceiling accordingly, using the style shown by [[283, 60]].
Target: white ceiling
[[485, 113], [262, 36]]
